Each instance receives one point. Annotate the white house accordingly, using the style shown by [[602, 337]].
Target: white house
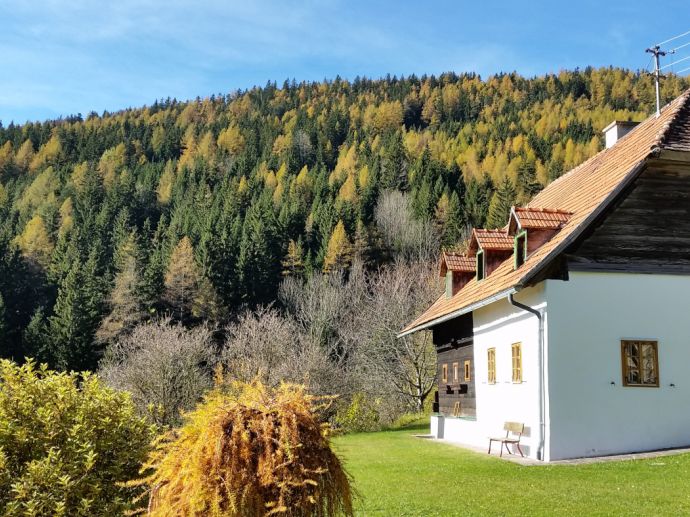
[[574, 319]]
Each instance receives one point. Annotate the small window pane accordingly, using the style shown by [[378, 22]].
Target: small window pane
[[640, 363]]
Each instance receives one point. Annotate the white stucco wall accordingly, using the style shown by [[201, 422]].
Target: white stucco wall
[[498, 326], [587, 318]]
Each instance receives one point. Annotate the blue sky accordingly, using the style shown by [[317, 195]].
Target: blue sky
[[64, 57]]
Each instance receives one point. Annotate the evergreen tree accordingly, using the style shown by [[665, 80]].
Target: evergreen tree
[[501, 202], [527, 181], [77, 313], [293, 263], [259, 260], [126, 303], [186, 291]]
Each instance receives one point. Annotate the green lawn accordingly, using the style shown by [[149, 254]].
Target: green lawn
[[398, 474]]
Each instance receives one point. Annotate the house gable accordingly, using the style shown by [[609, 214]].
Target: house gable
[[647, 230], [588, 192]]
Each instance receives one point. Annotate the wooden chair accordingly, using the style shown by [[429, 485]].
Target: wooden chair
[[510, 427]]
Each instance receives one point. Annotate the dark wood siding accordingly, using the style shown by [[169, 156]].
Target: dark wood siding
[[456, 391], [453, 342], [647, 231]]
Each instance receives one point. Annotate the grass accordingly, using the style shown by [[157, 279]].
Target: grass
[[398, 474]]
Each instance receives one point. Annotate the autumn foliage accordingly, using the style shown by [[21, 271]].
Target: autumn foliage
[[248, 450]]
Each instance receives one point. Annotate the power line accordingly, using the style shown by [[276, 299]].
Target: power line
[[680, 47], [673, 38], [681, 71], [675, 62]]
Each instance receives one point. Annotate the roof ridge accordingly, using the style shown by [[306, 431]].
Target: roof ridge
[[673, 117]]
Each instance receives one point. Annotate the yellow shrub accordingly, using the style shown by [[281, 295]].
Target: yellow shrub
[[249, 450]]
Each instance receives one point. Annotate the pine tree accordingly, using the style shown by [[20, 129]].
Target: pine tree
[[454, 223], [527, 181], [502, 200], [186, 291], [77, 313], [293, 264], [125, 303], [259, 259], [339, 251]]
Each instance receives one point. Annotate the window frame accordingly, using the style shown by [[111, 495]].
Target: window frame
[[516, 248], [467, 367], [516, 362], [491, 365], [481, 265], [624, 363], [456, 372], [444, 373]]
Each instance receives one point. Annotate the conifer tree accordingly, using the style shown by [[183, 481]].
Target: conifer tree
[[35, 241], [339, 251], [527, 181], [125, 303], [293, 263], [502, 200], [186, 291], [76, 316], [259, 259]]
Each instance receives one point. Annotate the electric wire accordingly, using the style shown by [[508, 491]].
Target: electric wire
[[673, 38], [675, 62], [678, 47]]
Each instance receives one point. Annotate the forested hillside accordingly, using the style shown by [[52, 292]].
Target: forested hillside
[[196, 209]]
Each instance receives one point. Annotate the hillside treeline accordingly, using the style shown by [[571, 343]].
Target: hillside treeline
[[197, 209]]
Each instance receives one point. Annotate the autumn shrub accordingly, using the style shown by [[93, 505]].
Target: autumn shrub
[[359, 415], [249, 450], [67, 443]]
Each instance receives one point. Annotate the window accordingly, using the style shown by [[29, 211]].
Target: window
[[520, 248], [517, 362], [640, 363], [456, 372], [480, 265], [444, 373], [468, 373], [491, 360]]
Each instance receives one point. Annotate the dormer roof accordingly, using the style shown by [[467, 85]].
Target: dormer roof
[[588, 191], [531, 218], [457, 262], [490, 240]]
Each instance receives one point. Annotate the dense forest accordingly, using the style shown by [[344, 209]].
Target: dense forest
[[195, 210]]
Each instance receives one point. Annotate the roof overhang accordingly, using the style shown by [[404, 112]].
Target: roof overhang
[[486, 301]]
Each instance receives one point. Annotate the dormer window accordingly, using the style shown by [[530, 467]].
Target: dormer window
[[457, 269], [480, 265], [520, 250]]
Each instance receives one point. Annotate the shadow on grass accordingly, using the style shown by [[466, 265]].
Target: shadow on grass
[[419, 426]]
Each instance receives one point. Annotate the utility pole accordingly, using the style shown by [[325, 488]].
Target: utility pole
[[656, 51]]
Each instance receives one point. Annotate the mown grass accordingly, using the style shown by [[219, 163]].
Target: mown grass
[[398, 474]]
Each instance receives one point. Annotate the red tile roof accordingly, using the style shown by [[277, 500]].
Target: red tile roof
[[585, 192], [492, 240], [541, 218], [457, 262]]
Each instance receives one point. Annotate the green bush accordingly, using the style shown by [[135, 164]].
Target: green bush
[[360, 415], [67, 443]]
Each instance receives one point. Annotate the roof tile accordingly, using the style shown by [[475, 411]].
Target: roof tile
[[583, 191]]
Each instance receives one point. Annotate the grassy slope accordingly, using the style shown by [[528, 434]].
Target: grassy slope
[[398, 474]]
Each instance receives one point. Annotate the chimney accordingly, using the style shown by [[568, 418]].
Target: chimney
[[617, 130]]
